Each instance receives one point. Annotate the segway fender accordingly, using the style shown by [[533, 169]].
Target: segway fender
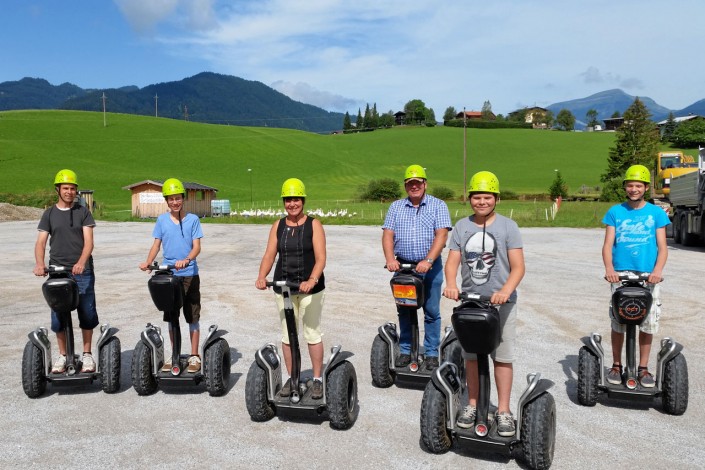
[[213, 335], [669, 350], [40, 338], [152, 338], [446, 378], [267, 358], [536, 386], [594, 344], [106, 332], [388, 333]]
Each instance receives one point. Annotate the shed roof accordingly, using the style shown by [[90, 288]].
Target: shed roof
[[187, 185]]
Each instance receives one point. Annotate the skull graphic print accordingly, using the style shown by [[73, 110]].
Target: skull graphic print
[[480, 256]]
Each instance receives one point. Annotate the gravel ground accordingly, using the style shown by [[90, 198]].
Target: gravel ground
[[562, 298]]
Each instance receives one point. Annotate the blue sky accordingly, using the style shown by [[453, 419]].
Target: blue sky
[[340, 55]]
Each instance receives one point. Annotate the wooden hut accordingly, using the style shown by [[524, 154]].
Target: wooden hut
[[148, 201]]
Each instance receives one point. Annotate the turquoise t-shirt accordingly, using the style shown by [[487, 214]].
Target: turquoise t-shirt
[[635, 246], [177, 240]]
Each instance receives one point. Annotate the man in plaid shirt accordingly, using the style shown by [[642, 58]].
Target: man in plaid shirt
[[415, 231]]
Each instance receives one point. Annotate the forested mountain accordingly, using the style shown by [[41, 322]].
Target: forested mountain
[[206, 97]]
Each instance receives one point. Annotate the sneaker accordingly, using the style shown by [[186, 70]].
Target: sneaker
[[403, 360], [645, 378], [88, 364], [286, 389], [466, 420], [614, 376], [505, 425], [59, 366], [431, 363], [317, 389], [194, 364], [167, 365]]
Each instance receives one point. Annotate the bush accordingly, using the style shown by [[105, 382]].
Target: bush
[[558, 187], [385, 189], [472, 123], [613, 191], [442, 192]]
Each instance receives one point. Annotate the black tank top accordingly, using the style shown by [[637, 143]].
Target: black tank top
[[296, 259]]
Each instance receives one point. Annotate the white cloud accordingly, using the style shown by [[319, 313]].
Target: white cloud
[[305, 93]]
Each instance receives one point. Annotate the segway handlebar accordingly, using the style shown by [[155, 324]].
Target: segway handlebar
[[290, 284], [469, 296], [161, 267], [404, 266], [57, 269], [633, 276]]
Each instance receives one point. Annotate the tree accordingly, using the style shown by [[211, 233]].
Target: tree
[[430, 117], [486, 110], [540, 119], [636, 142], [367, 119], [415, 111], [358, 122], [565, 120], [558, 187], [689, 133], [347, 124], [518, 115], [591, 118], [450, 113], [669, 128], [374, 121], [616, 114], [386, 119]]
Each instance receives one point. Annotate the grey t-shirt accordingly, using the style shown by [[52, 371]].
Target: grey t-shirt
[[65, 229], [484, 260]]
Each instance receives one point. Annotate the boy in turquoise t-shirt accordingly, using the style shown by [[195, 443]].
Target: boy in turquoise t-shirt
[[635, 240]]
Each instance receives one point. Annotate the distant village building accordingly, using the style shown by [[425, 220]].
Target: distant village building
[[148, 201], [476, 115], [534, 116], [662, 124], [399, 118], [612, 124]]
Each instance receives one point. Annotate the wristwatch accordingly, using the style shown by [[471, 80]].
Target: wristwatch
[[429, 260]]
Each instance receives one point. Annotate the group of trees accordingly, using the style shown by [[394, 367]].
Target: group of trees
[[416, 113], [686, 134]]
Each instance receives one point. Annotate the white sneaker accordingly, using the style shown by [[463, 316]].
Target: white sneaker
[[59, 366], [88, 364]]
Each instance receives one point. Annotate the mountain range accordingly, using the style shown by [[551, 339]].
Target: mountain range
[[224, 99]]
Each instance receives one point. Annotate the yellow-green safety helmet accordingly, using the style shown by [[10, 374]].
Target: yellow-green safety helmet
[[484, 182], [637, 173], [415, 171], [173, 186], [65, 177], [293, 187]]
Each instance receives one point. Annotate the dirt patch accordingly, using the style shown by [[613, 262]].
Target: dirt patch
[[10, 212]]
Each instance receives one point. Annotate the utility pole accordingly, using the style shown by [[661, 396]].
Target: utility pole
[[156, 107], [185, 113], [105, 124], [465, 155]]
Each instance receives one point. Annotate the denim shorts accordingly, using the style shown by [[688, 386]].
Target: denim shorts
[[87, 313]]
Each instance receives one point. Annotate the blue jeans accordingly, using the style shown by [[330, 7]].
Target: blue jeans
[[433, 283], [87, 313]]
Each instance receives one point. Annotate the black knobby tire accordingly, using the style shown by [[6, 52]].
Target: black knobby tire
[[588, 377], [341, 394], [34, 380], [675, 386], [217, 368], [434, 432], [256, 401], [454, 353], [538, 431], [677, 236], [143, 380], [687, 239], [110, 365], [379, 364]]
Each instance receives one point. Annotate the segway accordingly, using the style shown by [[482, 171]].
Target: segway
[[264, 380], [631, 303], [477, 324], [408, 292], [61, 293], [148, 358]]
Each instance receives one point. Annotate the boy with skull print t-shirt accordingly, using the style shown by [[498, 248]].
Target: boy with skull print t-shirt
[[488, 249]]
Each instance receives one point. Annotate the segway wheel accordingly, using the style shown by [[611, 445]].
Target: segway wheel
[[110, 365], [142, 378], [434, 432], [216, 366], [341, 394], [258, 406], [538, 431], [588, 377], [34, 380], [675, 386], [379, 364]]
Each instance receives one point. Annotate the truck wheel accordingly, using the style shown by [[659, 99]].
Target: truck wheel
[[434, 432], [256, 401], [688, 239], [216, 367], [110, 365], [677, 238], [588, 377], [341, 394], [143, 380], [675, 386], [379, 364], [538, 431], [34, 380]]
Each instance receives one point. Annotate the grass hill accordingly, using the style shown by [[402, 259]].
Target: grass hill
[[36, 144]]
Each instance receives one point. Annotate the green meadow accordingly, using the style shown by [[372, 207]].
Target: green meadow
[[34, 145]]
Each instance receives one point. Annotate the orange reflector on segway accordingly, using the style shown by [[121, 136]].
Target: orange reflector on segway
[[631, 384], [405, 295]]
